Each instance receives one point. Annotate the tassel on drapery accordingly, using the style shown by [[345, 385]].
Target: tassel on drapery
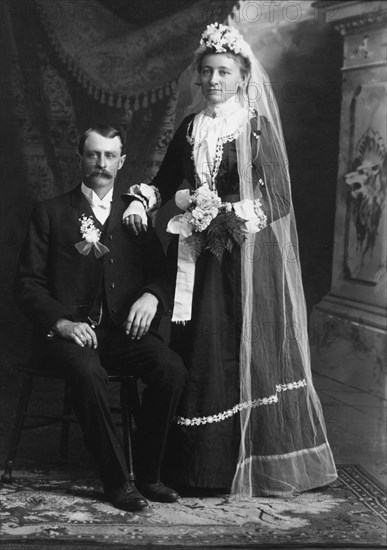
[[130, 102], [62, 31]]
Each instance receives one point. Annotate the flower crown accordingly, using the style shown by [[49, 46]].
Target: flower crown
[[222, 39]]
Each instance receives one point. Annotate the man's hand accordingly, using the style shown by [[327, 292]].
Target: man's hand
[[141, 315], [134, 224], [80, 333]]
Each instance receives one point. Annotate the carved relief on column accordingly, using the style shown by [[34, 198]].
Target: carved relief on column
[[365, 228], [348, 327], [359, 264]]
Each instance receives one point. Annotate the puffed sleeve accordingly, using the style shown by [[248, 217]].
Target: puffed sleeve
[[168, 178]]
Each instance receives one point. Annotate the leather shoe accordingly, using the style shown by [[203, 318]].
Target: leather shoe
[[126, 497], [157, 492]]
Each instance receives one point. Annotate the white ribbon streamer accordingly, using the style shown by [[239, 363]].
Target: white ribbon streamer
[[185, 279]]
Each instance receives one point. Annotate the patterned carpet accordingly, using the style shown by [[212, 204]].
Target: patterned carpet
[[48, 509]]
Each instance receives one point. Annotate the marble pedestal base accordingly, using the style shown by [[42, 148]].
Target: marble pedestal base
[[349, 350]]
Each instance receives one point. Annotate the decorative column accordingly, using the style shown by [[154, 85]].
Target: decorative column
[[349, 325]]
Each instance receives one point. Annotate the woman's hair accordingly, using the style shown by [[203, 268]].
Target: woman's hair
[[244, 62]]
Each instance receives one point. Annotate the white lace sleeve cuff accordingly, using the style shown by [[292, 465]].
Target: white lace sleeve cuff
[[136, 207], [148, 195], [251, 211]]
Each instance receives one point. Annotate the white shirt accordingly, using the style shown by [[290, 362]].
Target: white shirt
[[101, 207]]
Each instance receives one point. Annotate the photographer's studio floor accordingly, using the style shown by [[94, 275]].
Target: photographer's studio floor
[[49, 504]]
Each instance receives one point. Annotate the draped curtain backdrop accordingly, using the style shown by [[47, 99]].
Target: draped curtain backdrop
[[67, 65]]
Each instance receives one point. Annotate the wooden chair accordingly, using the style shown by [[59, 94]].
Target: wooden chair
[[129, 409]]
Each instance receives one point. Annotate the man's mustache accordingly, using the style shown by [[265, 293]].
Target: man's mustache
[[105, 173]]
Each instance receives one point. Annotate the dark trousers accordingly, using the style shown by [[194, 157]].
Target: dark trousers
[[158, 367]]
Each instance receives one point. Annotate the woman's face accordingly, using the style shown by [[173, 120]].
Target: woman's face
[[220, 76]]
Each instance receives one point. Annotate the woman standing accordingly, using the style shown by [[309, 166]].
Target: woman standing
[[250, 418]]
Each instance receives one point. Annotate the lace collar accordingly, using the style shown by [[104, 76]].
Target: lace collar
[[229, 107]]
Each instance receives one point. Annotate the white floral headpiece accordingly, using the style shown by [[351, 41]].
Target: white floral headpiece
[[222, 39]]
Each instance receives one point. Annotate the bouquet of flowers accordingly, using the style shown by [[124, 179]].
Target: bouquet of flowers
[[207, 223]]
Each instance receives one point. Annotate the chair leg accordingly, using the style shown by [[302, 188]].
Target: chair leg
[[134, 399], [65, 428], [127, 427], [21, 415]]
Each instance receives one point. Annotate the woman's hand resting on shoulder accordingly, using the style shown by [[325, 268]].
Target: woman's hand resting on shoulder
[[134, 224], [134, 218]]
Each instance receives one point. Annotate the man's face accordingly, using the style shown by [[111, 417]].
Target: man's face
[[100, 161]]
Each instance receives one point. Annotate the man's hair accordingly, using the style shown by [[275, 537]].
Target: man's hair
[[103, 130]]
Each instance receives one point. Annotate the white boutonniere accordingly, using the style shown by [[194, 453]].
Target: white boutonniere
[[91, 236]]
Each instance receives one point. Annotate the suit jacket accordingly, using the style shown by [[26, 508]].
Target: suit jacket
[[54, 280]]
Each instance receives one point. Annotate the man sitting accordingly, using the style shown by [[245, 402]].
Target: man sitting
[[96, 294]]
